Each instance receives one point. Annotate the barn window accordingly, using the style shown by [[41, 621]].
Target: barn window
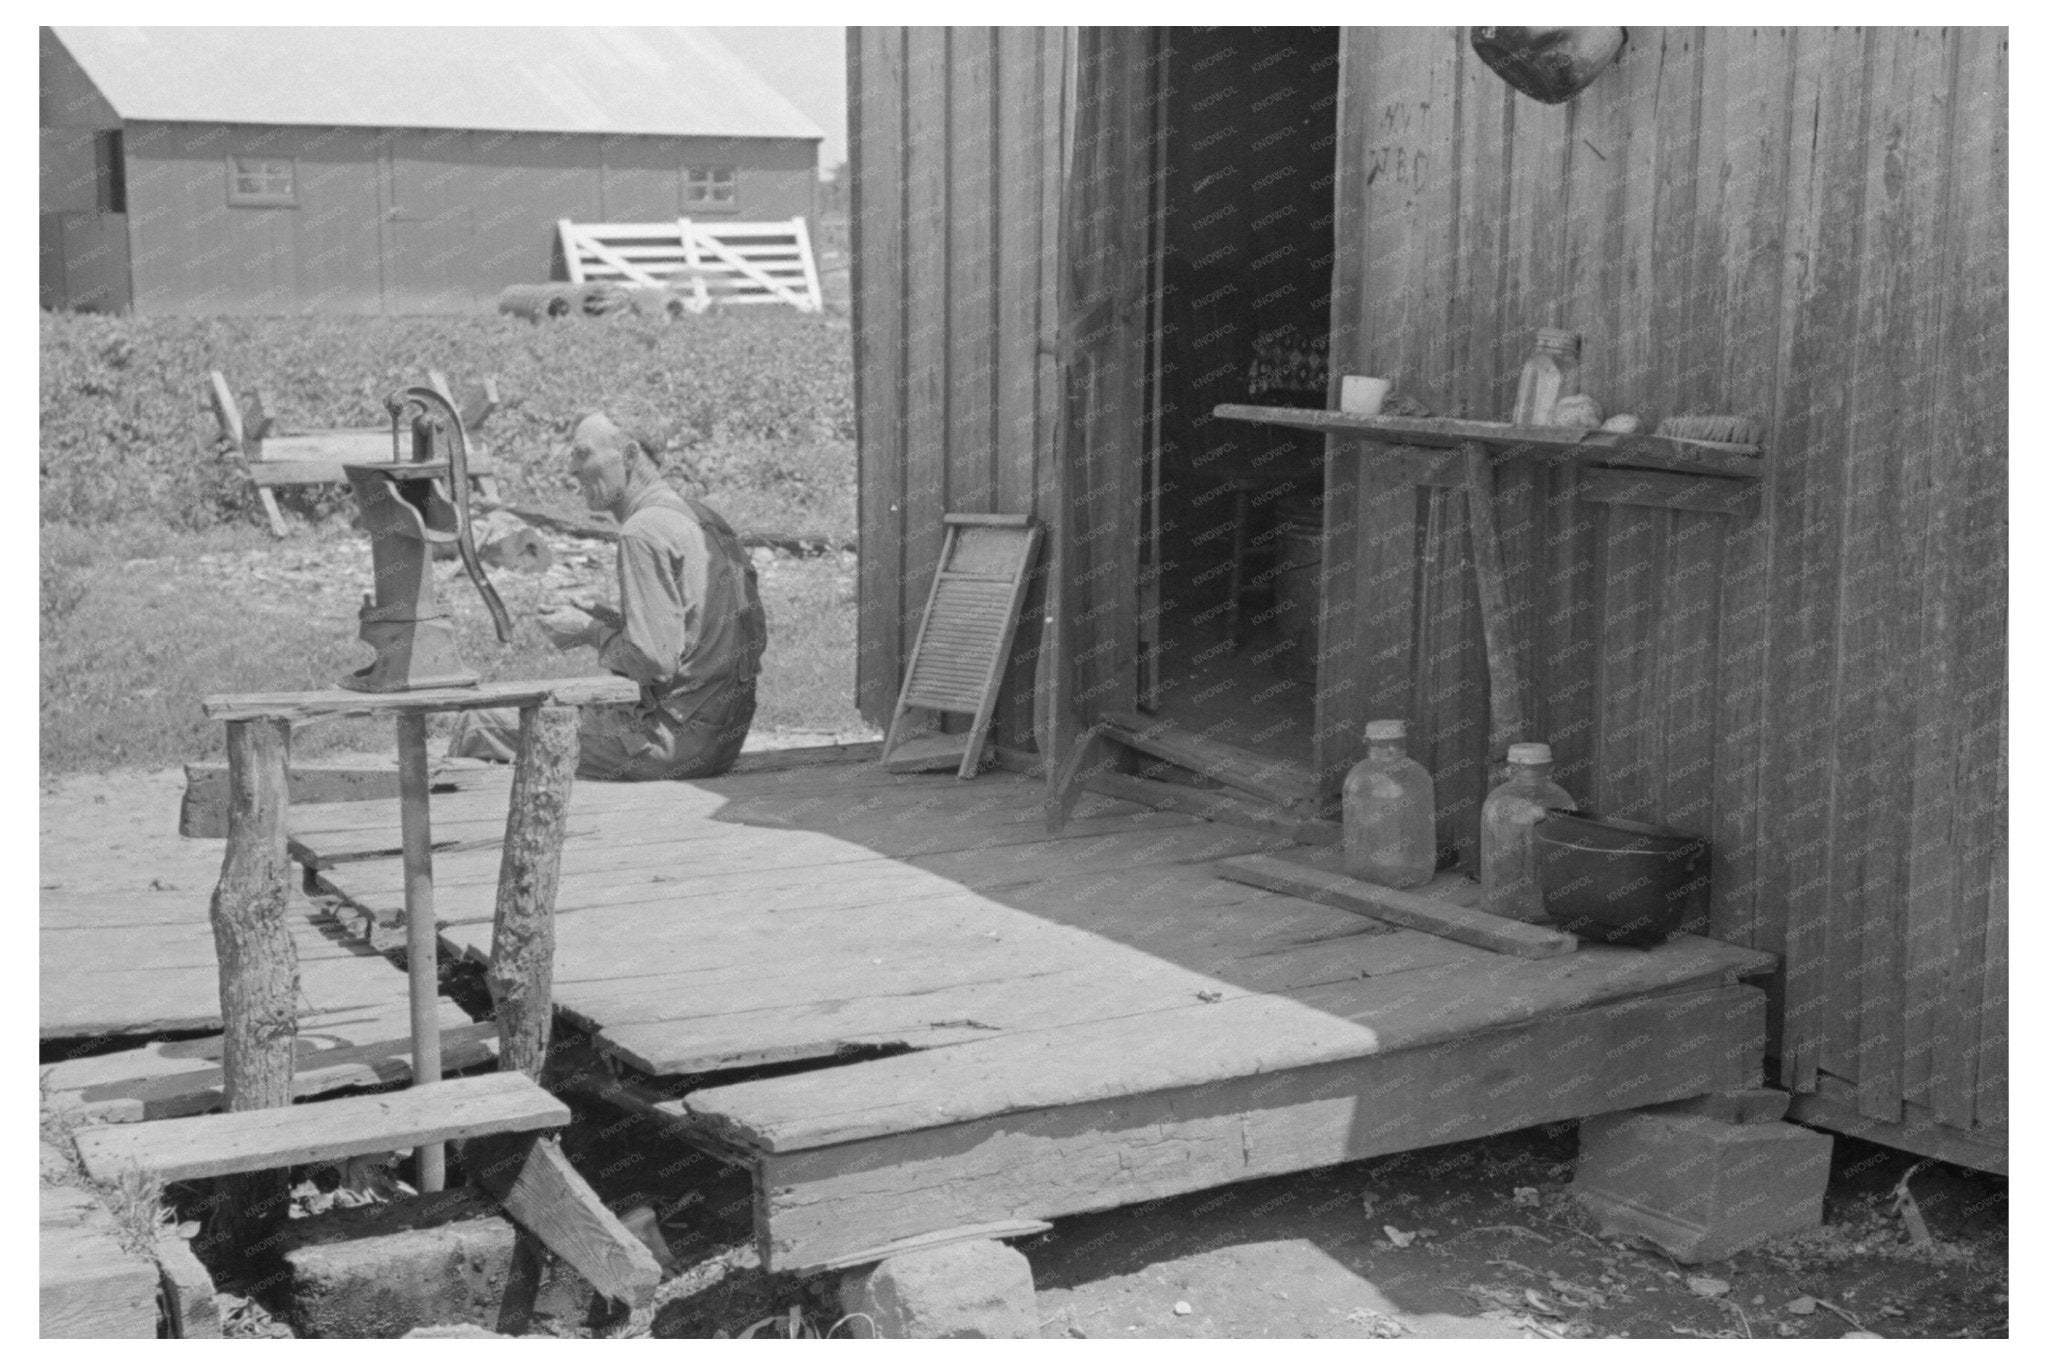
[[711, 187], [263, 181]]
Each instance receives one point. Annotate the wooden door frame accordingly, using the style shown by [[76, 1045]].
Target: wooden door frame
[[1092, 581]]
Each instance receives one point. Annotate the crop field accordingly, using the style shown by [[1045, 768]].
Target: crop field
[[158, 585]]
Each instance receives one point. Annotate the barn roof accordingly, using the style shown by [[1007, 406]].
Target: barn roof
[[674, 81]]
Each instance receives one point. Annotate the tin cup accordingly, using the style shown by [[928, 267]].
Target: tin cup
[[1361, 394]]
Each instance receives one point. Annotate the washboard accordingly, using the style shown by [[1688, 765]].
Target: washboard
[[956, 667]]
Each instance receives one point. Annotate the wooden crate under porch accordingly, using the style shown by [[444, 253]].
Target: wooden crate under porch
[[1008, 1026]]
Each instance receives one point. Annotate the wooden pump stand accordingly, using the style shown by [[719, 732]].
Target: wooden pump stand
[[259, 965]]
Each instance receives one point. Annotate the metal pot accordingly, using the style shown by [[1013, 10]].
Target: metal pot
[[1548, 64], [1617, 881]]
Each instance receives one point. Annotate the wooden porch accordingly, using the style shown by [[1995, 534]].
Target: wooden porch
[[992, 1026]]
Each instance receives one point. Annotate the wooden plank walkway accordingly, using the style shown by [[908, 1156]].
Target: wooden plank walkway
[[1053, 997], [142, 963], [90, 1285], [337, 1050], [125, 948]]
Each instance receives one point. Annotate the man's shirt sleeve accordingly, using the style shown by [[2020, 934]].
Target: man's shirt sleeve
[[650, 646]]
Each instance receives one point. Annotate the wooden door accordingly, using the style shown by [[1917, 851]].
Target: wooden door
[[429, 228], [1106, 262]]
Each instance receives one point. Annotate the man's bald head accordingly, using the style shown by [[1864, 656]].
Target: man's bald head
[[610, 462], [640, 420]]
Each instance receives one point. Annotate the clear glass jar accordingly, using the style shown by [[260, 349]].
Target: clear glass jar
[[1389, 811], [1550, 373], [1507, 833]]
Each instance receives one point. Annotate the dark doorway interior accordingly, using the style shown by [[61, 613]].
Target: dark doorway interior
[[1250, 124]]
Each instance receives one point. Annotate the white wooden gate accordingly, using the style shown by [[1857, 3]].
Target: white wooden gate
[[709, 263]]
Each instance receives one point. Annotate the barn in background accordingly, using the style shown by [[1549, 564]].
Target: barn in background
[[1072, 245], [384, 170]]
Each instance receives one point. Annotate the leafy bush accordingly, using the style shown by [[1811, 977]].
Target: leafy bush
[[126, 428]]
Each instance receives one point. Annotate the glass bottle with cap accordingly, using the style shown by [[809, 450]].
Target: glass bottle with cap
[[1389, 811], [1507, 833], [1550, 373]]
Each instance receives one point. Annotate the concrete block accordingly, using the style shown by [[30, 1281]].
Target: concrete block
[[435, 1260], [1699, 1187], [386, 1286], [968, 1289], [188, 1295]]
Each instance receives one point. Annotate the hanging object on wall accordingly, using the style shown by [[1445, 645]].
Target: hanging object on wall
[[1548, 64], [1289, 359]]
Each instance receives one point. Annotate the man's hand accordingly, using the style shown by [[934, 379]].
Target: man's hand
[[605, 615], [570, 627]]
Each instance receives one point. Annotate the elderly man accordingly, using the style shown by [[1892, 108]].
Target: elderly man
[[688, 627]]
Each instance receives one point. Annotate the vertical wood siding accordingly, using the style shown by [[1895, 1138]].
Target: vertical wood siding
[[1806, 225], [406, 220], [955, 138]]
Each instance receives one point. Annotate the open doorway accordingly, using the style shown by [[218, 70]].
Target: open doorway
[[1234, 511]]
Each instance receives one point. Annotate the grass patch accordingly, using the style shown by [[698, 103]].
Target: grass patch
[[157, 588], [126, 429], [131, 642]]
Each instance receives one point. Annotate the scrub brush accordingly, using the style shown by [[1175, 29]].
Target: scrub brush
[[1728, 430]]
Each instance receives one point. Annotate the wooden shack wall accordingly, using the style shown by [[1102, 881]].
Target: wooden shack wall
[[955, 150], [1807, 225]]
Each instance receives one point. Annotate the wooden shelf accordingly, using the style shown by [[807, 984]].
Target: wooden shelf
[[338, 701], [1544, 443], [1276, 396]]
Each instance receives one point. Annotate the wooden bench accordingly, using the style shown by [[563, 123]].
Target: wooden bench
[[498, 1115], [308, 1134], [275, 457]]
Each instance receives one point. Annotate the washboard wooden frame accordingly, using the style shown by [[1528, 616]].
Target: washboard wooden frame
[[963, 643]]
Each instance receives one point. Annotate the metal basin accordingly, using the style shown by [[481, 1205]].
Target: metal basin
[[1617, 881]]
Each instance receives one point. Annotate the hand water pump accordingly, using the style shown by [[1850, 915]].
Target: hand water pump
[[406, 513]]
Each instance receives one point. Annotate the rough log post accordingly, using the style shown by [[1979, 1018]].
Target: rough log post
[[422, 939], [259, 963], [522, 971]]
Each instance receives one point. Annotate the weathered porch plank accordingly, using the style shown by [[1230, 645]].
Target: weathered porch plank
[[1273, 779], [1198, 1043], [743, 856], [543, 1193], [1431, 913], [359, 835], [673, 1028], [340, 701], [88, 1284], [1216, 805], [820, 1204], [336, 1051], [204, 812], [266, 1139], [146, 962]]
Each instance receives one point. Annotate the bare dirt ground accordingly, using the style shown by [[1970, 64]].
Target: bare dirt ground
[[1476, 1239]]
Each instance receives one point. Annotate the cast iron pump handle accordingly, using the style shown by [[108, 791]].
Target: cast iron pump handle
[[436, 422]]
